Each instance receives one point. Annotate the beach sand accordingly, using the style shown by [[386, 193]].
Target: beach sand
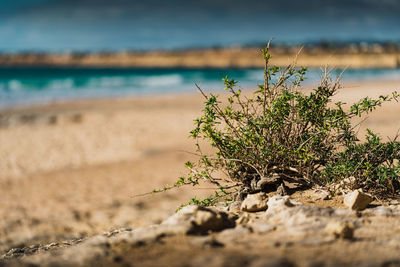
[[69, 170]]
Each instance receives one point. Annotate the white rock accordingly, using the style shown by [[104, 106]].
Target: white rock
[[302, 220], [357, 200], [279, 203], [255, 202], [321, 195], [199, 219]]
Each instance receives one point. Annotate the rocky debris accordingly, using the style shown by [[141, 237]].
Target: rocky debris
[[19, 252], [268, 184], [37, 248], [255, 202], [286, 223], [117, 231], [349, 183], [357, 200], [342, 229], [301, 220], [336, 189], [319, 194], [80, 252], [199, 220], [235, 206], [278, 203], [344, 187], [394, 202]]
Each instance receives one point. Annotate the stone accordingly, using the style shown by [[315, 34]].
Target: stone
[[320, 194], [235, 207], [344, 230], [303, 221], [394, 202], [255, 202], [200, 220], [284, 211], [335, 188], [357, 200], [267, 184], [279, 203], [261, 227], [76, 255]]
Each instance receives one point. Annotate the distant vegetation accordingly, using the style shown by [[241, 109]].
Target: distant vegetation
[[345, 47], [338, 54]]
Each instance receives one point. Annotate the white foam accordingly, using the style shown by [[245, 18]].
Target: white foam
[[60, 84], [14, 85], [159, 80]]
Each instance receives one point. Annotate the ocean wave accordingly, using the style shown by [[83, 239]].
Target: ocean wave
[[33, 87], [11, 85], [159, 80], [60, 84]]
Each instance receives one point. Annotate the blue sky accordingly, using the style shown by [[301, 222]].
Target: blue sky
[[86, 25]]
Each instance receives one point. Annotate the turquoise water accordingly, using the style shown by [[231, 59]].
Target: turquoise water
[[27, 86]]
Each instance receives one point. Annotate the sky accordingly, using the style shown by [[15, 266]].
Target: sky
[[95, 25]]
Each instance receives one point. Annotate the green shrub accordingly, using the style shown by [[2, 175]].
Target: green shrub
[[282, 133]]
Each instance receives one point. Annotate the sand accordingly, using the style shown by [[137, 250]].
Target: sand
[[69, 170]]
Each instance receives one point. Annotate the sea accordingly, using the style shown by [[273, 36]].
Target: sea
[[21, 86]]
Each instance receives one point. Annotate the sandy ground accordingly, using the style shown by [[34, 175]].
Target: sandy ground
[[69, 170], [74, 177]]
